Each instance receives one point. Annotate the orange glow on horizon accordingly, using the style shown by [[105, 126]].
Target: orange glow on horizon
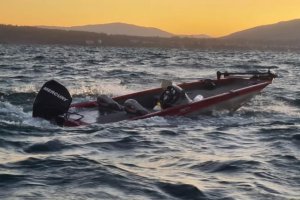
[[212, 17]]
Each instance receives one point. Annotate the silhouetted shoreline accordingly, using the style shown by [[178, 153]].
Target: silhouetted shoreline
[[32, 35]]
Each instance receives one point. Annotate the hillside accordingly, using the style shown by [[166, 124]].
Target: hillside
[[282, 31], [32, 35], [117, 29]]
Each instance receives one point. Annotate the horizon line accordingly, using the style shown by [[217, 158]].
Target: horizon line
[[175, 34]]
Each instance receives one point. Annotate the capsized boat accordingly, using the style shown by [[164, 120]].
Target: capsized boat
[[229, 91]]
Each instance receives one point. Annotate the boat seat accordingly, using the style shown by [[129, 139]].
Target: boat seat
[[173, 95], [209, 84], [131, 106], [107, 103]]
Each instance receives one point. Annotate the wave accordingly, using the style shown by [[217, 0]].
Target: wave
[[50, 146], [10, 179], [233, 166], [28, 92], [182, 191], [109, 89], [82, 174], [10, 112], [268, 106], [51, 162], [125, 144], [93, 61], [296, 137], [24, 89], [40, 57], [14, 116], [253, 67], [10, 144], [290, 101]]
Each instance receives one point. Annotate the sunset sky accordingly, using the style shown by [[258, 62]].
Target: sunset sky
[[212, 17]]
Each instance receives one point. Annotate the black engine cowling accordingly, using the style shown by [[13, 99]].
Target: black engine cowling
[[52, 101]]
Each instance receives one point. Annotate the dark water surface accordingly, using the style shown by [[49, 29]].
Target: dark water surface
[[251, 154]]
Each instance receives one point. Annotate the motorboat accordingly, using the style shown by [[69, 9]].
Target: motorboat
[[228, 91]]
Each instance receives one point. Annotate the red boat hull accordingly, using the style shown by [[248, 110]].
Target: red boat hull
[[237, 91]]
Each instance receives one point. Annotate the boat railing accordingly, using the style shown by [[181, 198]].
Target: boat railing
[[255, 74]]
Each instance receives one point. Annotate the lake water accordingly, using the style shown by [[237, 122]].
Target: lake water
[[251, 154]]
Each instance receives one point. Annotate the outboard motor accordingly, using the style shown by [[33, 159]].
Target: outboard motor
[[52, 101], [106, 103], [173, 95], [131, 106]]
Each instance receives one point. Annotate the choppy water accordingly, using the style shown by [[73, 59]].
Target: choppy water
[[252, 154]]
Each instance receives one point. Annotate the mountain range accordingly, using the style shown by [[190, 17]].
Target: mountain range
[[282, 35], [124, 29], [281, 31], [117, 29]]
